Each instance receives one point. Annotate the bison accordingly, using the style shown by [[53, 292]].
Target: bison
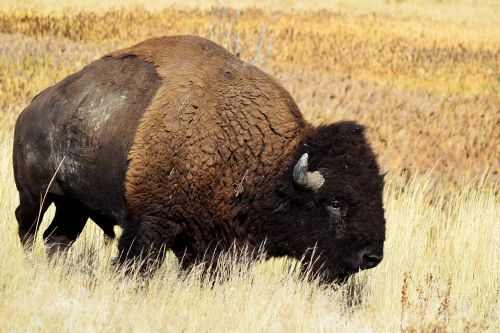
[[188, 148]]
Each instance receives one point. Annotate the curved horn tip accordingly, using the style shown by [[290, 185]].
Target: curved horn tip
[[305, 179], [303, 161], [300, 169]]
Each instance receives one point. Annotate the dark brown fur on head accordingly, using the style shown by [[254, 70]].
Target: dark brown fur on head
[[344, 216]]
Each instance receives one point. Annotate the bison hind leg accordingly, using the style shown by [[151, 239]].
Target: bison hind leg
[[29, 214], [68, 223]]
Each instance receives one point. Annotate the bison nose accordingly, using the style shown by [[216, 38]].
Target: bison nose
[[368, 256], [370, 260]]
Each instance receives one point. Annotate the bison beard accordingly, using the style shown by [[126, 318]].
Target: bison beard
[[188, 148]]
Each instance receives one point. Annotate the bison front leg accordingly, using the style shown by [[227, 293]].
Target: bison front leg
[[143, 244], [107, 225]]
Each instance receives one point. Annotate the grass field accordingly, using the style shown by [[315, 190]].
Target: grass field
[[424, 76]]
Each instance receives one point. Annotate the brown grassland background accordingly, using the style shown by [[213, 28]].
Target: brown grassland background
[[423, 76]]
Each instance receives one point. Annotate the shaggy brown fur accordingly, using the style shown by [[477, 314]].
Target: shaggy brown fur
[[215, 141], [214, 133]]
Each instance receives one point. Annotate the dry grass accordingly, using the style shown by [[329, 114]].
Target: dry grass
[[440, 274], [426, 81], [464, 11], [442, 57], [428, 92]]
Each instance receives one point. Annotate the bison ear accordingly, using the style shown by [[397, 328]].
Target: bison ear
[[304, 179]]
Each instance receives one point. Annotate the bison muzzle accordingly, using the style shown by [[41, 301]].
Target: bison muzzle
[[188, 148]]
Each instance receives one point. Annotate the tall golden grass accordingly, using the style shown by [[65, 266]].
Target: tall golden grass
[[422, 75], [464, 11], [440, 274]]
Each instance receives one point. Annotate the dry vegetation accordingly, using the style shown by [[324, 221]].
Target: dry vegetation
[[425, 81], [429, 92]]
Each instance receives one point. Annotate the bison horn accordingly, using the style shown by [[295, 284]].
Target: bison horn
[[305, 179]]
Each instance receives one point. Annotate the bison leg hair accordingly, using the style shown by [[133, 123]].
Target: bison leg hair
[[66, 226], [29, 214], [107, 225], [143, 244]]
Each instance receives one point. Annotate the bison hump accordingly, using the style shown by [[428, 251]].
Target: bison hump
[[216, 129]]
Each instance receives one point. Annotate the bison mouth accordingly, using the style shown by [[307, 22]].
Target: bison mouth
[[338, 279], [328, 271], [338, 276], [343, 275]]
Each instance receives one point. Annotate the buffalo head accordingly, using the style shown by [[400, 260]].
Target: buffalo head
[[330, 204]]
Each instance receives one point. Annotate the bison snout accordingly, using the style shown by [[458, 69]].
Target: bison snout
[[370, 260], [367, 257]]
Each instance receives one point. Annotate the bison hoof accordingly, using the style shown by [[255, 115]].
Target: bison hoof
[[27, 240]]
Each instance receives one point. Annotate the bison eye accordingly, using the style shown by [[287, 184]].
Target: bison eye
[[336, 209], [336, 204]]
